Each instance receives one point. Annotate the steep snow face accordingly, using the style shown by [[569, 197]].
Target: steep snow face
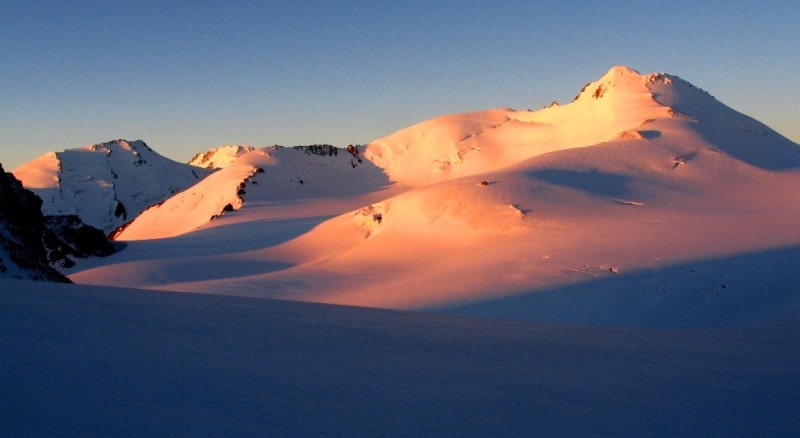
[[260, 177], [735, 134], [105, 184], [220, 157], [465, 144]]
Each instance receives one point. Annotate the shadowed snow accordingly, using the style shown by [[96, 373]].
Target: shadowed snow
[[105, 361]]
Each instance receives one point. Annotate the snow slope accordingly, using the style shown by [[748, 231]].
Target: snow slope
[[638, 204], [465, 144], [106, 184], [260, 177], [82, 360], [217, 158]]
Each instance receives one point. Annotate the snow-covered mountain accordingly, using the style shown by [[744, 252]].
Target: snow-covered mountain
[[106, 184], [263, 176], [217, 158], [466, 144], [645, 201], [621, 104]]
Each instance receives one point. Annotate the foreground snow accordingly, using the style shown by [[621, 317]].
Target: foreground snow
[[103, 361]]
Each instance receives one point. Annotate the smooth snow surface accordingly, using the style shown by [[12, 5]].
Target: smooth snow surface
[[81, 360], [644, 202]]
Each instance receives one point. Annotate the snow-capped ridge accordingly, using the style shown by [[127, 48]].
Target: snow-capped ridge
[[260, 176], [734, 133], [620, 74], [664, 88], [459, 145], [105, 184], [614, 106], [219, 157], [636, 204], [669, 90], [137, 148]]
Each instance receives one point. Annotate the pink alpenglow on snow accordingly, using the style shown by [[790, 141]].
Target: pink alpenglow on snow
[[637, 249], [106, 184], [643, 201]]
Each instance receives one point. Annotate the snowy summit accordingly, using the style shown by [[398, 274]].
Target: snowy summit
[[106, 184]]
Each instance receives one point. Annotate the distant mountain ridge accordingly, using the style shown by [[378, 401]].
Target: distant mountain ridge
[[106, 184], [645, 201], [270, 174], [112, 183], [219, 157]]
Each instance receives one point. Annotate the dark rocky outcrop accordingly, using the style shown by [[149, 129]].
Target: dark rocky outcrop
[[83, 240], [33, 244]]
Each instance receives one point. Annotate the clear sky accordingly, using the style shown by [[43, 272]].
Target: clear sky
[[188, 76]]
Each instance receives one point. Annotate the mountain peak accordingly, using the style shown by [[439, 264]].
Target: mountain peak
[[219, 157], [105, 184], [120, 144], [619, 76], [619, 71], [667, 89]]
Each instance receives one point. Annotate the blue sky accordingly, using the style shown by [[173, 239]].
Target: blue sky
[[187, 76]]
